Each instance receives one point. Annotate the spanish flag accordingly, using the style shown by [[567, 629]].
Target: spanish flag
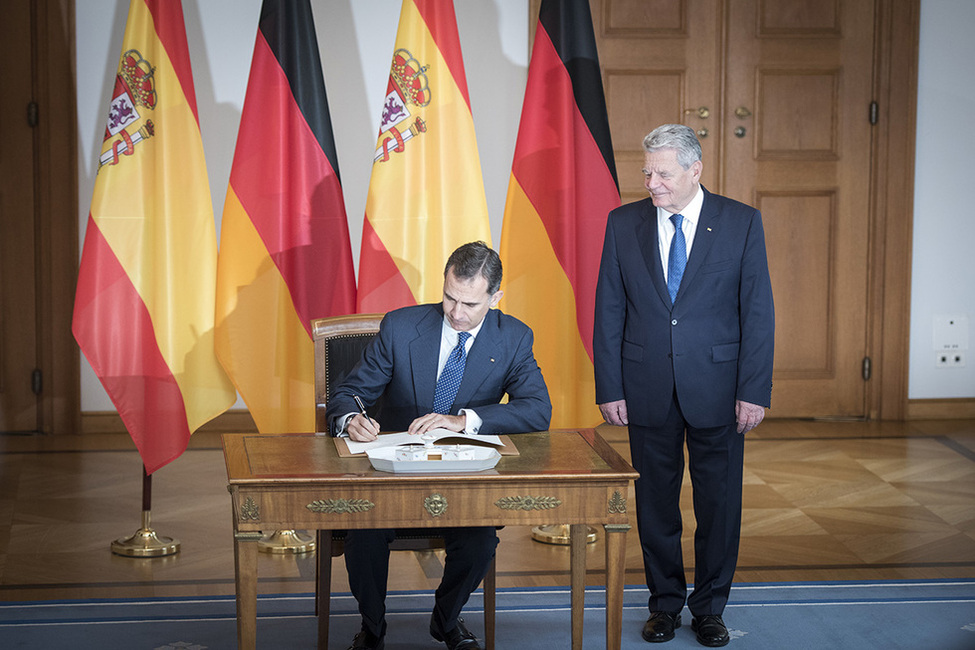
[[563, 184], [285, 255], [143, 312], [426, 193]]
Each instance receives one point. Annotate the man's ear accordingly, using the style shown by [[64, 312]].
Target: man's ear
[[496, 298]]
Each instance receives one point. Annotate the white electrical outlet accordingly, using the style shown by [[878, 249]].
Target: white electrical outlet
[[942, 360]]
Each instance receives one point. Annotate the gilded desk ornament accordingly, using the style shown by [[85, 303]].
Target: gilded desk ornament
[[341, 506], [435, 504], [617, 503], [249, 511], [528, 503]]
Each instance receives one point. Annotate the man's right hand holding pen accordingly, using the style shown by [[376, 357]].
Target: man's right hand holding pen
[[361, 427]]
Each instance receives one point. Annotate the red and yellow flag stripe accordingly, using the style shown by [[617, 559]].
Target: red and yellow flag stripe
[[144, 305], [426, 193], [285, 254], [563, 185]]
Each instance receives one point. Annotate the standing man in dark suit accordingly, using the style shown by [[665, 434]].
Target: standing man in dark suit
[[683, 352], [409, 364]]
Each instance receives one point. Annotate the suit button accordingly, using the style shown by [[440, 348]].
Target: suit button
[[673, 322]]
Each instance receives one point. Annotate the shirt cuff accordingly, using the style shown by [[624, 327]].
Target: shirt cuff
[[473, 423], [342, 425]]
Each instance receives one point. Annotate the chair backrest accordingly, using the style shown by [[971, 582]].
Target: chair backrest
[[339, 342]]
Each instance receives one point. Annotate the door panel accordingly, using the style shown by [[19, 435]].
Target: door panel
[[803, 70], [18, 307]]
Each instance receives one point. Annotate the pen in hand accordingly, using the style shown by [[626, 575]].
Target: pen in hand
[[368, 430], [362, 408]]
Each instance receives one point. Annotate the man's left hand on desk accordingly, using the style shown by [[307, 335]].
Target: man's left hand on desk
[[431, 421]]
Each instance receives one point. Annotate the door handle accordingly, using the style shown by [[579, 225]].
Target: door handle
[[703, 112]]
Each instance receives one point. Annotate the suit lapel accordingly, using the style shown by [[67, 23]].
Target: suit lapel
[[424, 356], [482, 359], [703, 238], [649, 245]]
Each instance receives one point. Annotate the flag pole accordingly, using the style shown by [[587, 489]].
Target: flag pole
[[145, 542]]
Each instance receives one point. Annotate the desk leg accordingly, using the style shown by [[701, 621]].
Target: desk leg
[[577, 539], [323, 586], [615, 569], [245, 560]]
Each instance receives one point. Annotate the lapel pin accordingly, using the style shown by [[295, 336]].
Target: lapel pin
[[709, 230], [492, 359]]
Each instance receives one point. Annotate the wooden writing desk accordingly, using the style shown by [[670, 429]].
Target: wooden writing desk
[[299, 481]]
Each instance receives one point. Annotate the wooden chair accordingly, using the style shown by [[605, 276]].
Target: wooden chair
[[339, 342]]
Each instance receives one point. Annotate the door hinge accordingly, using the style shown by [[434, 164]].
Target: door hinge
[[866, 369], [874, 113], [36, 381], [33, 112]]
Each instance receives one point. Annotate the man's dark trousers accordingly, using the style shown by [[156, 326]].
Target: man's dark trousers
[[716, 459], [469, 552]]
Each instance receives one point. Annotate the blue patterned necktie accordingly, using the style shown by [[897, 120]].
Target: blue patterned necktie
[[450, 376], [678, 258]]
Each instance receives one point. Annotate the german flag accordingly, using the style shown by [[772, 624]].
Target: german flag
[[563, 184], [285, 255], [143, 312], [426, 193]]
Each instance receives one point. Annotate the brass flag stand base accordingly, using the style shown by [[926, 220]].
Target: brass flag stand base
[[145, 542], [287, 541], [559, 534]]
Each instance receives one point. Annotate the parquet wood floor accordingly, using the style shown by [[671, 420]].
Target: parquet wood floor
[[823, 501]]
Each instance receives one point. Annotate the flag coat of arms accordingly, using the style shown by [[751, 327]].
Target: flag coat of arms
[[426, 192], [285, 254], [563, 185], [143, 313]]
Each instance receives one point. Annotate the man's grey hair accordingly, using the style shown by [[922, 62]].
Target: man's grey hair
[[473, 259], [678, 137]]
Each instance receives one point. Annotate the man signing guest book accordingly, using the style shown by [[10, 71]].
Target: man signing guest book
[[440, 366]]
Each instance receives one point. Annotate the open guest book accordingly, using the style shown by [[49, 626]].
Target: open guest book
[[438, 450]]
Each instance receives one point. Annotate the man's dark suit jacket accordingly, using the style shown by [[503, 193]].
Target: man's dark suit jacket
[[401, 364], [713, 345]]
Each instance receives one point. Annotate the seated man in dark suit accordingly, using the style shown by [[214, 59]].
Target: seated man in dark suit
[[445, 365]]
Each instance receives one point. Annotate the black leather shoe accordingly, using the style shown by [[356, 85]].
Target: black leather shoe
[[711, 631], [660, 626], [366, 641], [459, 638]]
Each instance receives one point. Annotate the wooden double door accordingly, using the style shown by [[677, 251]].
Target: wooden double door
[[780, 93]]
